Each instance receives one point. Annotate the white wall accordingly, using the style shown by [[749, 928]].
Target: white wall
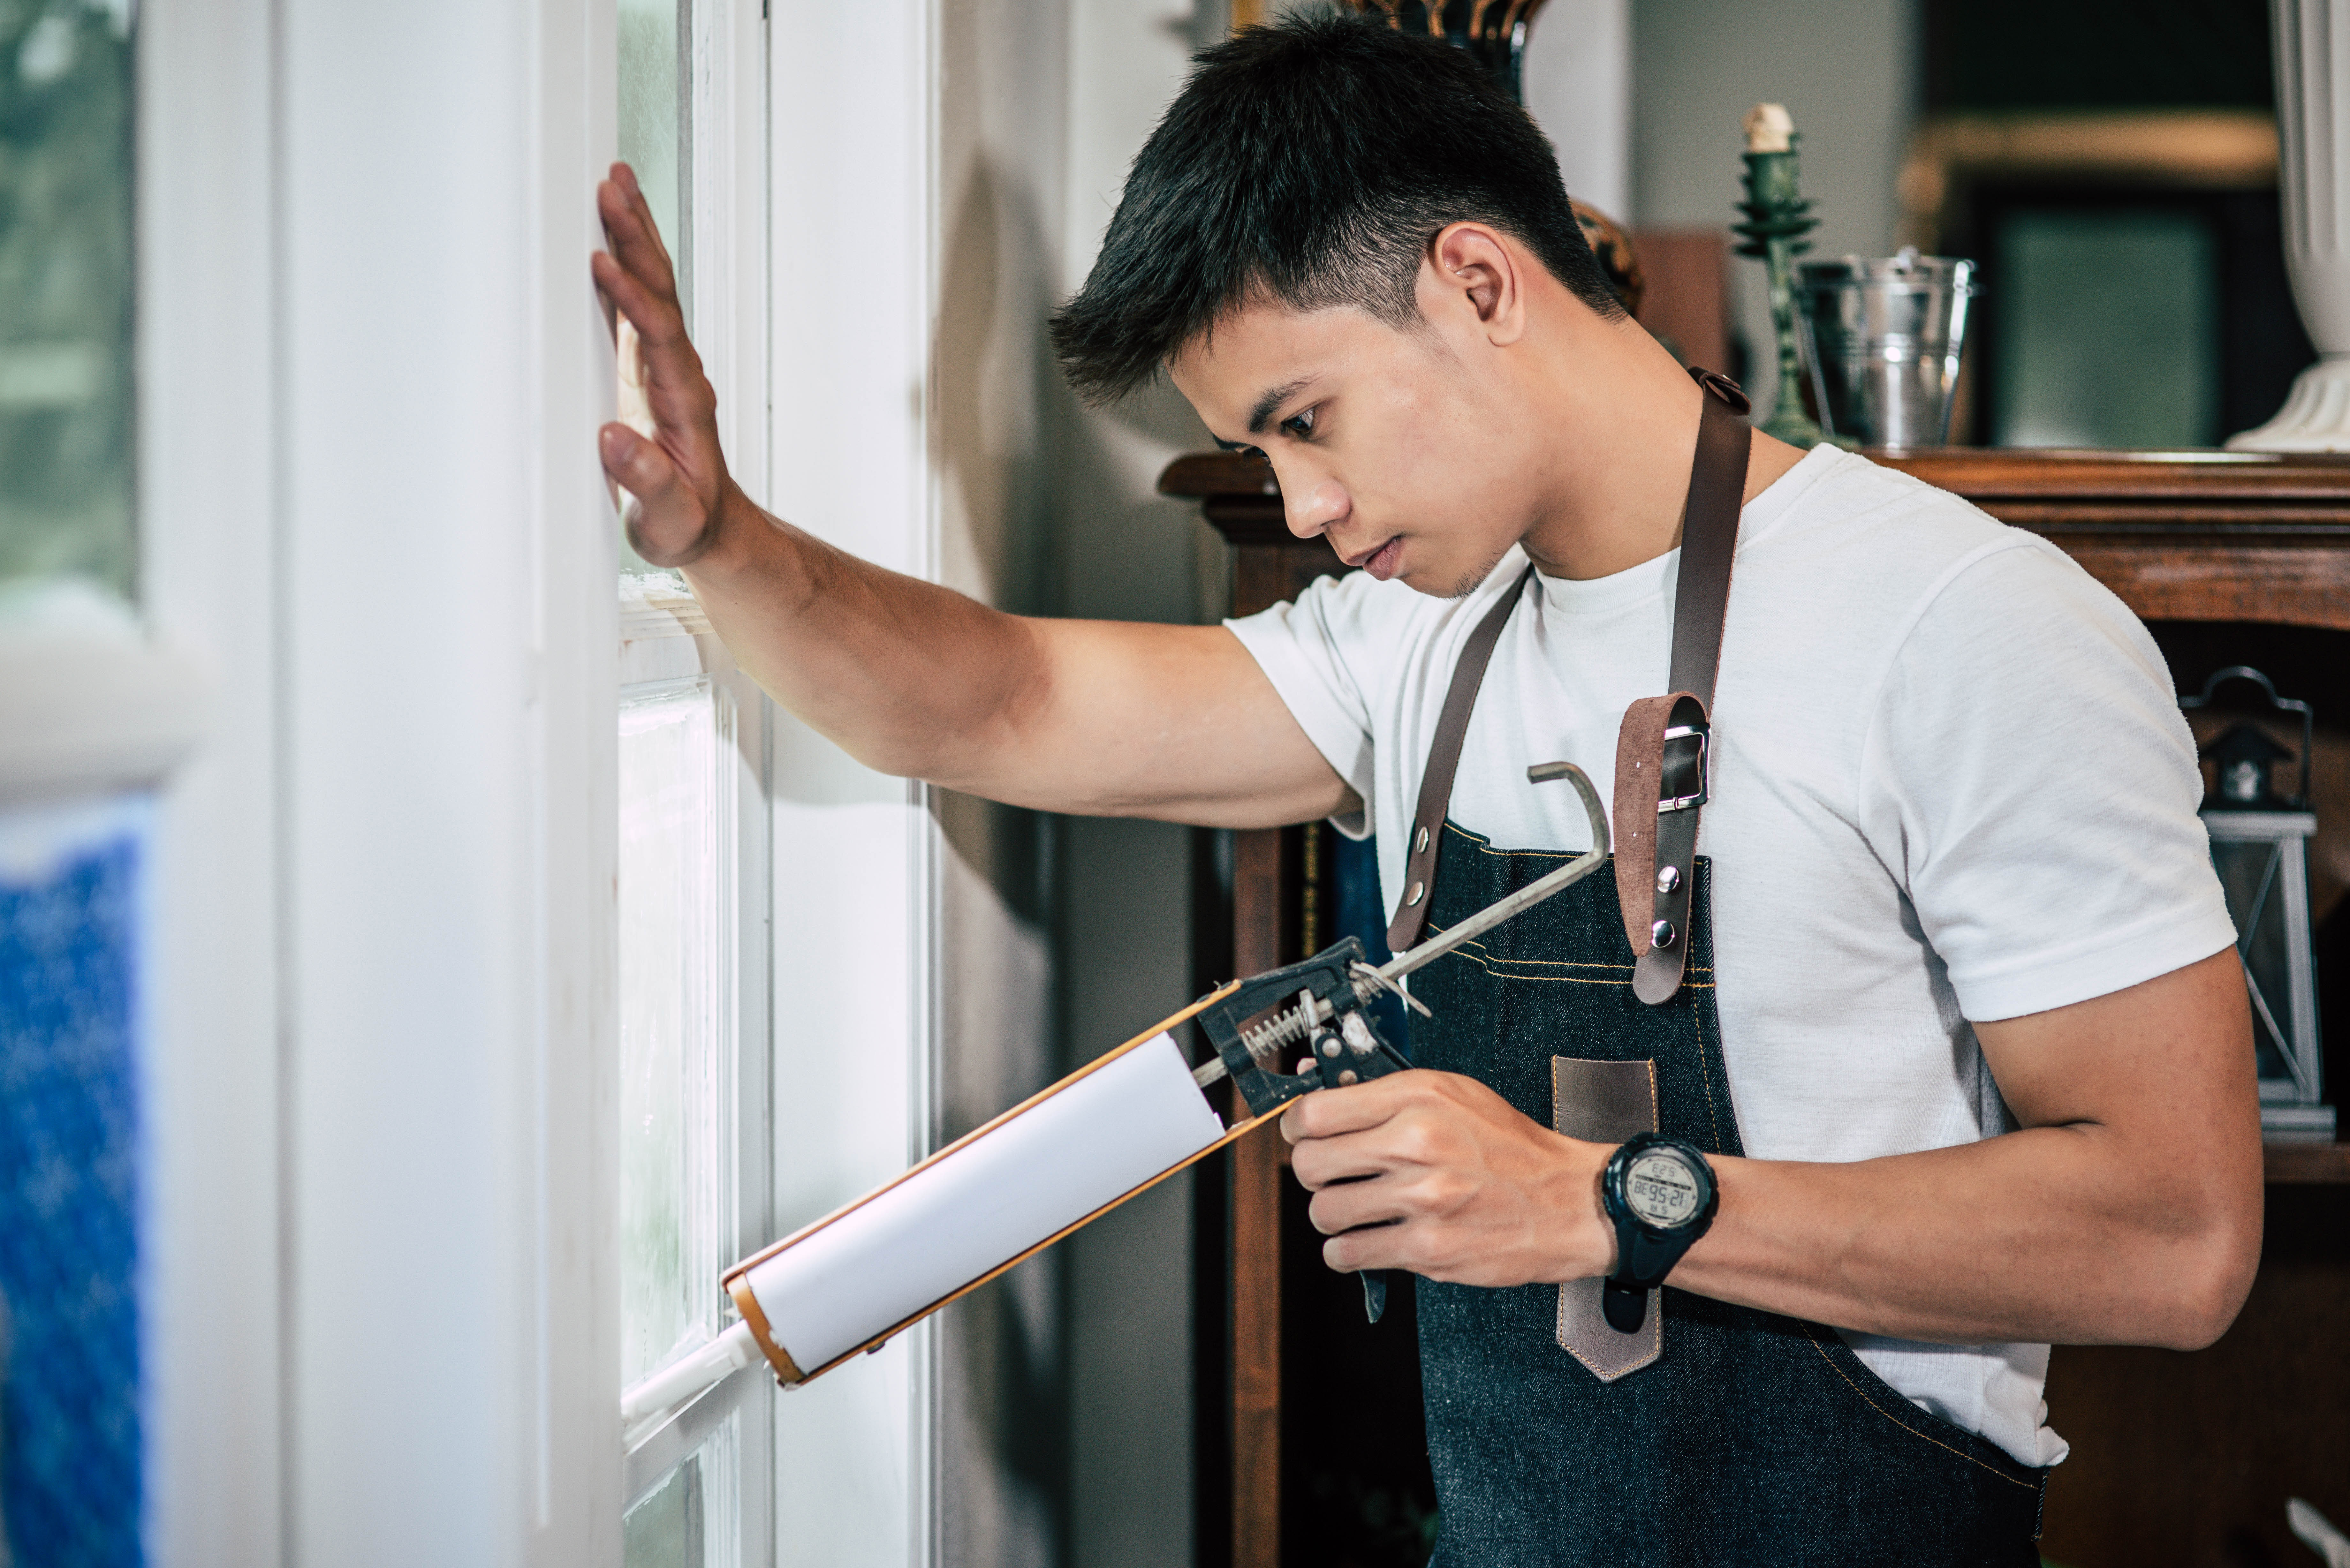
[[1130, 553], [1000, 118], [853, 158], [380, 1107], [1847, 70]]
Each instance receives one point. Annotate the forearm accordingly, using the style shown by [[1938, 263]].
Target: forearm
[[1103, 718], [907, 677], [2128, 1212], [2057, 1233]]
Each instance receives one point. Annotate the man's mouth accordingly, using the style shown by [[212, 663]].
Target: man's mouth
[[1382, 562]]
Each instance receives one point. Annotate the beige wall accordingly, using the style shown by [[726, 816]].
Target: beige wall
[[1063, 1412], [1846, 70]]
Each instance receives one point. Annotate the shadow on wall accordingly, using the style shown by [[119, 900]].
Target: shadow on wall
[[1003, 1393]]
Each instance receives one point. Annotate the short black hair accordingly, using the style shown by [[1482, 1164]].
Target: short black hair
[[1311, 163]]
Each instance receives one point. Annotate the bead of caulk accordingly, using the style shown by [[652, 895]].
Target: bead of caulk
[[1357, 1033]]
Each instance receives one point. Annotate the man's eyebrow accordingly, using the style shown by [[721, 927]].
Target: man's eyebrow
[[1272, 401]]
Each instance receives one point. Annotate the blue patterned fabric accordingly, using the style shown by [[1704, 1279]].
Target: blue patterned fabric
[[69, 1435]]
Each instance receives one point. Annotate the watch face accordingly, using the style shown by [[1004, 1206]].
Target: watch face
[[1662, 1191]]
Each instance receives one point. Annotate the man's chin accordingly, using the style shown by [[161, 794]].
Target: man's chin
[[1433, 582]]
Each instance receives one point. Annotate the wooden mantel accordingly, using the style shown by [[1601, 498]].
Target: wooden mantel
[[2180, 536]]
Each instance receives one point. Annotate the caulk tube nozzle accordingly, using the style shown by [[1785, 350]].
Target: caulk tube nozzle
[[687, 1377]]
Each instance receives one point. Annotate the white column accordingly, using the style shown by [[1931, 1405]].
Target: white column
[[2313, 72], [209, 1266]]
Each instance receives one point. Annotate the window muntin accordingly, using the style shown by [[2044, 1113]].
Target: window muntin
[[693, 912]]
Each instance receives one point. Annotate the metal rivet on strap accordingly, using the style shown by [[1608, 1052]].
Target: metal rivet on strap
[[1412, 898], [1667, 879], [1419, 842], [1662, 934]]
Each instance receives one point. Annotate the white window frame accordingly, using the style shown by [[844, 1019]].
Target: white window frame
[[665, 640]]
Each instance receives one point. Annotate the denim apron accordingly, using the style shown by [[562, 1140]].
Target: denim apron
[[1751, 1438]]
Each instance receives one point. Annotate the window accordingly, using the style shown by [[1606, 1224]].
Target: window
[[692, 906], [66, 292]]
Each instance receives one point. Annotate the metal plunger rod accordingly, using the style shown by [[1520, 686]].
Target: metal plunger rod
[[1294, 1023]]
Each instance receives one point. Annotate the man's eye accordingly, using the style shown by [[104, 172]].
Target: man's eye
[[1300, 425]]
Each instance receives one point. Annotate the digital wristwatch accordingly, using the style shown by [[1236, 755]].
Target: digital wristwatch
[[1658, 1192]]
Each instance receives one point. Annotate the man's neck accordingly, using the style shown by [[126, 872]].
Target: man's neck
[[1616, 485]]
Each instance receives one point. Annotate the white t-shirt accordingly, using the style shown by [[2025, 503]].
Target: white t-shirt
[[1951, 781]]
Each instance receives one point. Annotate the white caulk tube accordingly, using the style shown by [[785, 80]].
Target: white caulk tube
[[857, 1276]]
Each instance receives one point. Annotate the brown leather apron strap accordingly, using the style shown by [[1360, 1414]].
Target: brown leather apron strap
[[1663, 758], [1443, 763], [1660, 758]]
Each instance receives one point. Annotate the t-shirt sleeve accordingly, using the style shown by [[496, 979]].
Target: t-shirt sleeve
[[2028, 776], [1304, 648]]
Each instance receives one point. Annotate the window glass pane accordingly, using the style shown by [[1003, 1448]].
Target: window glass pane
[[665, 1531], [669, 935], [2250, 873], [687, 1521], [656, 134], [65, 291]]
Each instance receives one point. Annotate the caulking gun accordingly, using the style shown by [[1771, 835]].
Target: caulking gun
[[853, 1280]]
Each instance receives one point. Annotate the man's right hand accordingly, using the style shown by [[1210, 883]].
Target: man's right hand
[[676, 478], [1106, 717]]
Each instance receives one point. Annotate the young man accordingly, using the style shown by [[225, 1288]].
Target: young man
[[1953, 1028]]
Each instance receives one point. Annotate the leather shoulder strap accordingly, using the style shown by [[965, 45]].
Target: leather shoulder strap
[[1662, 752], [1709, 537], [1443, 763], [1653, 836]]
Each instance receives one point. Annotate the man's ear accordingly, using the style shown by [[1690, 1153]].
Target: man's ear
[[1473, 266]]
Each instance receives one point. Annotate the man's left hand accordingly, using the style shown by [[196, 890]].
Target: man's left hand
[[1436, 1173]]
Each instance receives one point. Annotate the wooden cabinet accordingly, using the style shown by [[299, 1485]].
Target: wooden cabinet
[[2177, 1457]]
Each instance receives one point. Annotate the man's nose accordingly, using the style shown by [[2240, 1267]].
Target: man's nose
[[1313, 506]]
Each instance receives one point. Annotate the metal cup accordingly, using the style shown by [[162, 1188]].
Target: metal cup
[[1882, 337]]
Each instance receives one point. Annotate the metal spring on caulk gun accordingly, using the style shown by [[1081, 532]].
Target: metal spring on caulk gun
[[1294, 1023]]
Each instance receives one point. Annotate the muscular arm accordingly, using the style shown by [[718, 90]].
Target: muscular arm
[[2127, 1209], [1100, 717]]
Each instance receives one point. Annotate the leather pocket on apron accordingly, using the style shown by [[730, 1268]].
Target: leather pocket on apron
[[1604, 1103]]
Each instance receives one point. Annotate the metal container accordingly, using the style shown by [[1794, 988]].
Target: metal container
[[1882, 337]]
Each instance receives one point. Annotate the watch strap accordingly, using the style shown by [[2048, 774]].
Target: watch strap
[[1643, 1256], [1604, 1103]]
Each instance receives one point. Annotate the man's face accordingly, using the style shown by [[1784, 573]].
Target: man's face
[[1402, 447]]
